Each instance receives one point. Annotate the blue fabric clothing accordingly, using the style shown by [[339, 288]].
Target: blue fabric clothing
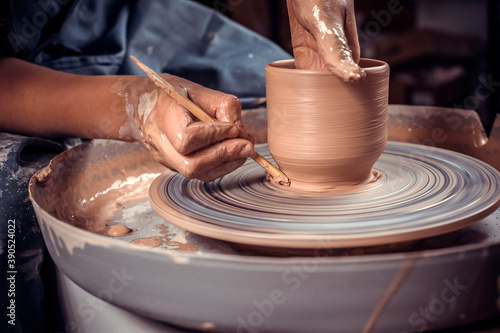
[[178, 37], [96, 37], [21, 157]]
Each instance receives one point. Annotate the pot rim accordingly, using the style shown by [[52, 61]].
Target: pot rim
[[371, 66]]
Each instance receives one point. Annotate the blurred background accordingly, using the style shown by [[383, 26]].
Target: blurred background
[[441, 52]]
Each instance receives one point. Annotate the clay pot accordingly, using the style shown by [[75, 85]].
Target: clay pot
[[323, 133]]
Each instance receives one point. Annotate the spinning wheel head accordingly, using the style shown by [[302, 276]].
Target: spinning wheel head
[[422, 192]]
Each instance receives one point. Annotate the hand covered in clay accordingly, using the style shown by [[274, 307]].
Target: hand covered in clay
[[197, 150], [324, 36]]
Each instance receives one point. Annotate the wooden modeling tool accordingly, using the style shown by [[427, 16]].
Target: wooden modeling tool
[[276, 175]]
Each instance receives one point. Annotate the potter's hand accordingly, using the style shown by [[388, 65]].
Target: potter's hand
[[177, 140], [324, 36]]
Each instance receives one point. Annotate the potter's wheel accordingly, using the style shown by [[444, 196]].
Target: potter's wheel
[[423, 192], [226, 287]]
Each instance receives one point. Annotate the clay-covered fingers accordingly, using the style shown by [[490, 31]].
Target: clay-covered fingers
[[326, 29], [198, 150], [188, 135], [175, 137], [218, 160], [223, 107], [206, 164], [220, 106]]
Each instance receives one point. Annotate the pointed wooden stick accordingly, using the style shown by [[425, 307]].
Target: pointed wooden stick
[[275, 173]]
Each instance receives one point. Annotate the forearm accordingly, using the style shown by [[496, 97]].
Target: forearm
[[42, 102]]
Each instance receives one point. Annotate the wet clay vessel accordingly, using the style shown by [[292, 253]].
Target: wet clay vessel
[[323, 133]]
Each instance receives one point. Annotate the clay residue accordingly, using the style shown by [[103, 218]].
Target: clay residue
[[43, 174], [129, 131], [148, 241], [323, 133], [184, 246], [109, 175], [163, 229], [374, 179], [118, 230], [165, 241]]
